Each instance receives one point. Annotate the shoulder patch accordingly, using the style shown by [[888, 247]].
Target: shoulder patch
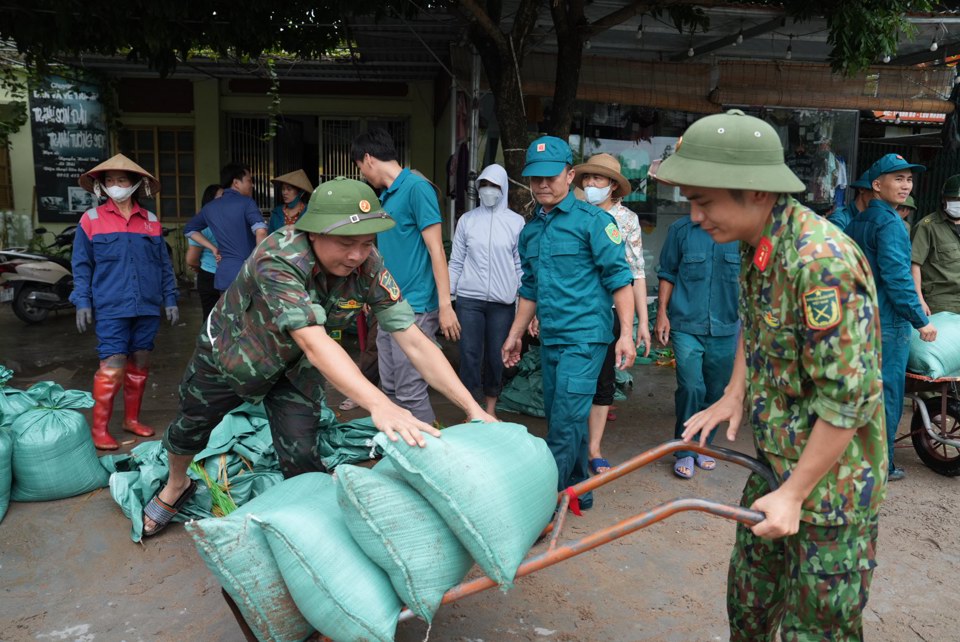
[[614, 233], [389, 285], [821, 307]]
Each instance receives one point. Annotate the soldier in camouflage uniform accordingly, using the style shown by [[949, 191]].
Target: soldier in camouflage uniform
[[266, 340], [807, 365]]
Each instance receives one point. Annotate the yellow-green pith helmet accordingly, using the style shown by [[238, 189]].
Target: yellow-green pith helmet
[[344, 207], [730, 151]]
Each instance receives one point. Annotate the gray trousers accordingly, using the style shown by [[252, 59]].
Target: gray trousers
[[399, 380]]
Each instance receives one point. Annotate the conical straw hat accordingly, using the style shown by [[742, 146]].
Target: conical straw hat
[[118, 163], [298, 179]]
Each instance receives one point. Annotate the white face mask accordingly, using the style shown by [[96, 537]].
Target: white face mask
[[489, 195], [121, 194], [597, 195], [953, 209]]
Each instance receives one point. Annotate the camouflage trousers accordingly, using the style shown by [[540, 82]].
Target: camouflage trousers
[[206, 396], [810, 586]]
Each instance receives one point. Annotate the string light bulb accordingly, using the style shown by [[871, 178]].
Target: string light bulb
[[587, 44], [690, 52], [886, 58], [790, 48], [897, 121], [739, 40], [640, 30]]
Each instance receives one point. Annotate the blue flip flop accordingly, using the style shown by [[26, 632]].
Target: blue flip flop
[[683, 462], [599, 462], [706, 463]]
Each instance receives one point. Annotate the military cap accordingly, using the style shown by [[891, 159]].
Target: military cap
[[863, 182], [547, 156], [909, 203], [344, 207], [890, 163], [730, 151], [951, 187]]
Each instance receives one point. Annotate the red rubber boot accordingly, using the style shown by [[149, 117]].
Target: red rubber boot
[[134, 384], [106, 385]]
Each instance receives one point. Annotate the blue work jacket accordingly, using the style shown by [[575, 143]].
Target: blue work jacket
[[120, 266], [705, 277], [842, 216], [573, 260], [880, 233]]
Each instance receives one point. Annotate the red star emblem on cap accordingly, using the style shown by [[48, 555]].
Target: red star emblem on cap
[[541, 147], [364, 206]]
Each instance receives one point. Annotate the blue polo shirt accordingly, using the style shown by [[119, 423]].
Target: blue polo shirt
[[880, 233], [412, 203], [573, 260], [705, 277], [233, 218]]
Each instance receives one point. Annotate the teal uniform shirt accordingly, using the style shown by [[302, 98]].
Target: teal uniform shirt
[[841, 217], [573, 260], [412, 203]]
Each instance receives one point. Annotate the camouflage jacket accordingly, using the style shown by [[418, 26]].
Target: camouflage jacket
[[282, 287], [811, 331]]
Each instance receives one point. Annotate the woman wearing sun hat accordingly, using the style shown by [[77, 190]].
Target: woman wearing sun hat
[[605, 187], [295, 189], [122, 281]]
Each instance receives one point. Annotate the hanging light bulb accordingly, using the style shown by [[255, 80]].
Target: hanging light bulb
[[886, 58], [640, 30], [897, 121], [587, 44], [690, 52], [790, 48], [934, 45], [739, 40]]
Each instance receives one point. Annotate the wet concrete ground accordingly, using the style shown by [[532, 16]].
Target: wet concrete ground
[[68, 570]]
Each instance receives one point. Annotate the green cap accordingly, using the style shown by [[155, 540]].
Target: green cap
[[951, 187], [730, 151], [344, 207]]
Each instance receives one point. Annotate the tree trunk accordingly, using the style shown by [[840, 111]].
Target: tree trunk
[[568, 19]]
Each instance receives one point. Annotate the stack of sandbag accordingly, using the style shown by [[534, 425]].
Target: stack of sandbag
[[13, 402], [348, 553], [54, 456], [6, 470], [940, 358]]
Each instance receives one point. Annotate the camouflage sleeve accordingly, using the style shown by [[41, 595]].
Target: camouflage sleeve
[[283, 289], [383, 296], [841, 342]]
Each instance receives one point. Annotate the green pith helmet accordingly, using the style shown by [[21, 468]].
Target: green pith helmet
[[344, 207], [910, 203], [730, 151], [951, 187]]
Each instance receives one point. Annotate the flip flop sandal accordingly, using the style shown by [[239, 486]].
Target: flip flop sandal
[[684, 464], [706, 463], [161, 512], [597, 463], [348, 404]]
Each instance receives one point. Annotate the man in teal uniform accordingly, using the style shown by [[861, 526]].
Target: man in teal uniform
[[574, 267], [807, 370], [841, 217], [267, 340]]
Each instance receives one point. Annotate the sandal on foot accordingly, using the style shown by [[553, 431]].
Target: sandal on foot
[[684, 468], [706, 463], [598, 463], [348, 404], [161, 512]]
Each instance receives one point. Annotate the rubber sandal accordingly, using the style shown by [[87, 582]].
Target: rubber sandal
[[597, 463], [684, 463], [706, 463], [161, 512], [348, 404]]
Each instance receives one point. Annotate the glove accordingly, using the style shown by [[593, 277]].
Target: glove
[[84, 318], [173, 314]]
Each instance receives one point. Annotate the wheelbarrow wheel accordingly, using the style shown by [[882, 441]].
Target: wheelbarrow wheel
[[943, 459]]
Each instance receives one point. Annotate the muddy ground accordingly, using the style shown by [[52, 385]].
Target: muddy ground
[[68, 570]]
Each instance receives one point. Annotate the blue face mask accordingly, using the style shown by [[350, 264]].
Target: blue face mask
[[597, 195]]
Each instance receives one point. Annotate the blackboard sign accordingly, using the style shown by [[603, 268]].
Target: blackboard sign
[[69, 137]]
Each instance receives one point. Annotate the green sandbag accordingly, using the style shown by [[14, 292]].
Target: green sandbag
[[54, 455], [400, 531], [940, 358], [524, 393], [347, 443], [6, 470], [237, 553], [339, 590], [495, 486], [13, 402]]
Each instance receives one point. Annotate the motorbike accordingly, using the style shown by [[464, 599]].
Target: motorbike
[[37, 282]]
